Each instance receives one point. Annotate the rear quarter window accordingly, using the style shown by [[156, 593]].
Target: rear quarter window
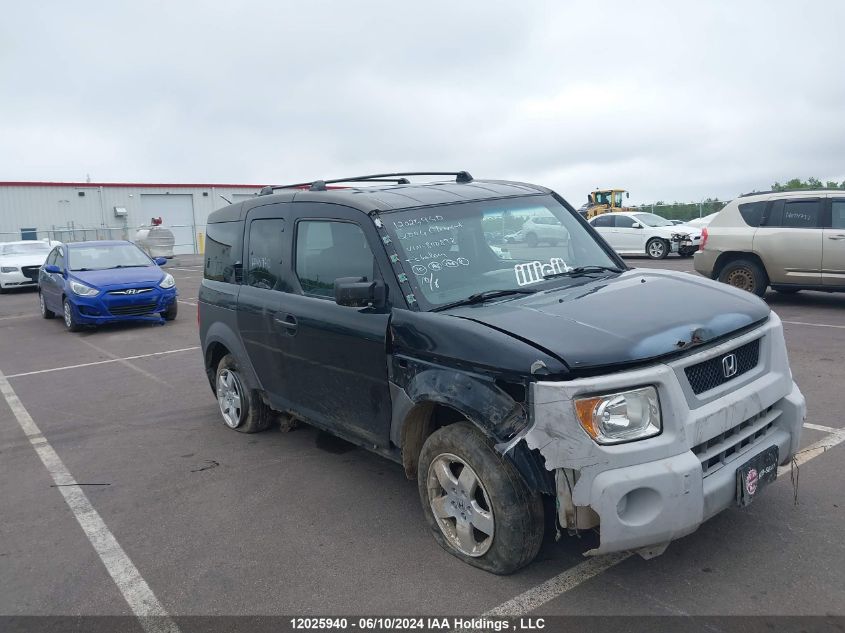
[[222, 244], [752, 212]]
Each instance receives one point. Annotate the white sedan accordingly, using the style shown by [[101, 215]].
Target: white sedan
[[20, 263], [640, 233]]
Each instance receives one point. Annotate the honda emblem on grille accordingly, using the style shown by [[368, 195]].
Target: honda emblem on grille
[[729, 365]]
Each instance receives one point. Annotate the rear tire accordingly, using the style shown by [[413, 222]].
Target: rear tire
[[745, 274], [46, 313], [3, 290], [242, 409], [171, 312], [531, 240], [657, 248], [71, 321], [486, 515]]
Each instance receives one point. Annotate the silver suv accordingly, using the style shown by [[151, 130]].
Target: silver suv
[[790, 241]]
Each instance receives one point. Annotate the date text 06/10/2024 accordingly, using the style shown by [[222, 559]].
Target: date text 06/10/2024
[[419, 624]]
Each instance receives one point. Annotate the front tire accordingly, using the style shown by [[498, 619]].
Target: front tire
[[171, 312], [242, 409], [46, 313], [745, 274], [71, 321], [478, 507], [657, 248]]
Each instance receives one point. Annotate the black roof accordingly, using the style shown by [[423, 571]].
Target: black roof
[[387, 197]]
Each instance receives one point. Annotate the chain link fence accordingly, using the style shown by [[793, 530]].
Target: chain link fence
[[187, 238], [683, 210]]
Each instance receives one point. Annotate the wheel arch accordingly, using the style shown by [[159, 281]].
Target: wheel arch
[[731, 256], [219, 341]]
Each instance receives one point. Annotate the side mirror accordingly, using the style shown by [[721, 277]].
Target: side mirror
[[52, 269], [160, 261], [636, 225], [627, 194], [357, 292]]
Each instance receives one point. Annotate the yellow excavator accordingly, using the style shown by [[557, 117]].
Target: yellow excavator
[[604, 201]]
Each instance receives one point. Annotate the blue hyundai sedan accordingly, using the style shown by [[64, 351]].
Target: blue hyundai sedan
[[92, 283]]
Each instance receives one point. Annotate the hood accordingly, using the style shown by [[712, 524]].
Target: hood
[[150, 275], [636, 316], [18, 261]]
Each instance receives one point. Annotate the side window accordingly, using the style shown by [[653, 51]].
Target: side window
[[837, 219], [326, 250], [752, 212], [220, 240], [51, 258], [604, 220], [264, 260], [60, 257], [624, 222], [801, 214]]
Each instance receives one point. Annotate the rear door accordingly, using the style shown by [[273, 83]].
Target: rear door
[[833, 245], [266, 251], [335, 357], [790, 241], [603, 224]]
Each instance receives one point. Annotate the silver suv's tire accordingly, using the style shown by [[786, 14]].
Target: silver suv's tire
[[745, 274], [478, 507]]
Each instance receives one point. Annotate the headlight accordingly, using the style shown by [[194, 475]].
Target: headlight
[[620, 417], [8, 269], [168, 281], [82, 290]]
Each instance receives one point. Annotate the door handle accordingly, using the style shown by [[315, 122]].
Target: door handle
[[836, 237], [287, 321]]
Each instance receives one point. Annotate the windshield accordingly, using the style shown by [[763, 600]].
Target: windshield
[[106, 256], [617, 198], [25, 249], [454, 251], [650, 219]]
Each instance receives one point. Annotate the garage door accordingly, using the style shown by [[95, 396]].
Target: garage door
[[177, 213]]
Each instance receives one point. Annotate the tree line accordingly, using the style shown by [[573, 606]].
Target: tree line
[[690, 210]]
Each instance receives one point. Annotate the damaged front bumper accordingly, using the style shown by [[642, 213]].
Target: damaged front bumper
[[646, 493]]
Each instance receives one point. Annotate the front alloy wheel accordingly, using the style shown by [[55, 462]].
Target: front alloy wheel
[[229, 395], [657, 248], [461, 505]]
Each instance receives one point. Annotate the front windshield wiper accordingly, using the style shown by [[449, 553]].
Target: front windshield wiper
[[125, 266], [580, 271], [481, 297]]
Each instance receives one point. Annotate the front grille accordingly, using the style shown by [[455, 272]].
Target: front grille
[[130, 291], [719, 450], [133, 310], [710, 374], [31, 272]]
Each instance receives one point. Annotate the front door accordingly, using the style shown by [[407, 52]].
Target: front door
[[790, 241], [833, 246], [335, 357], [630, 239]]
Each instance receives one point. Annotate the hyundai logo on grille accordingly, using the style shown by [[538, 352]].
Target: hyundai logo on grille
[[729, 365], [130, 291]]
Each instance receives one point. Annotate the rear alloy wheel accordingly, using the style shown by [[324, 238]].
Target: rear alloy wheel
[[476, 503], [745, 274], [71, 322], [531, 240], [657, 248], [45, 312], [242, 409]]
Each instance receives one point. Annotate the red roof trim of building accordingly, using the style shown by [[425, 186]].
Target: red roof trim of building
[[89, 185]]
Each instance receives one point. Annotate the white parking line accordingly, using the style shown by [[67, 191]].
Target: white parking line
[[838, 327], [190, 303], [824, 429], [137, 593], [17, 316], [103, 362], [591, 567], [124, 362]]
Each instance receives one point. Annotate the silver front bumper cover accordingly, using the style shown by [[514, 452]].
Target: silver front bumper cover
[[649, 492]]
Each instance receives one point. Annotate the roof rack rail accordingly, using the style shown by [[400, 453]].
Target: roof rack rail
[[809, 190], [398, 178]]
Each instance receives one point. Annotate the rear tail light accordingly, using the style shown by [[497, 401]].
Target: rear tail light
[[703, 239]]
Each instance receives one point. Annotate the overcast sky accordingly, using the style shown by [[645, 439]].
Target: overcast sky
[[671, 100]]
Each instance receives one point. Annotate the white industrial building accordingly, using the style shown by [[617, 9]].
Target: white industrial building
[[76, 211]]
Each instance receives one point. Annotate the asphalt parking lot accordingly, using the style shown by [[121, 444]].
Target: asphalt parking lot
[[220, 523]]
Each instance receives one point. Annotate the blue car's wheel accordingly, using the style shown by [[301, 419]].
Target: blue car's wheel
[[45, 311], [71, 322]]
